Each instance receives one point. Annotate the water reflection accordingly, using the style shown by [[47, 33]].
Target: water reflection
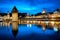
[[4, 24], [29, 25], [55, 29], [24, 31], [14, 28], [7, 25]]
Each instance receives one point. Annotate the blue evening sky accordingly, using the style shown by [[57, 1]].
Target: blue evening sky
[[29, 6]]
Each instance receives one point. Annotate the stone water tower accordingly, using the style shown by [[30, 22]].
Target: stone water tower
[[14, 14]]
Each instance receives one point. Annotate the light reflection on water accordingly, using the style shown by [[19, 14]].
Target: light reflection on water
[[33, 29], [27, 29], [24, 30]]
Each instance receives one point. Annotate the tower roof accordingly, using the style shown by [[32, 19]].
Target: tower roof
[[44, 11], [14, 9], [57, 11]]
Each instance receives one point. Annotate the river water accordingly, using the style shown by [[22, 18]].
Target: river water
[[28, 32]]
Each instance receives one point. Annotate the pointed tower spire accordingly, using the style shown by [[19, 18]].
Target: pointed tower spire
[[14, 9]]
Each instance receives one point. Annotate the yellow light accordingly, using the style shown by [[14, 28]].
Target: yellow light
[[58, 15], [38, 22], [52, 22], [52, 16], [27, 21], [33, 21]]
